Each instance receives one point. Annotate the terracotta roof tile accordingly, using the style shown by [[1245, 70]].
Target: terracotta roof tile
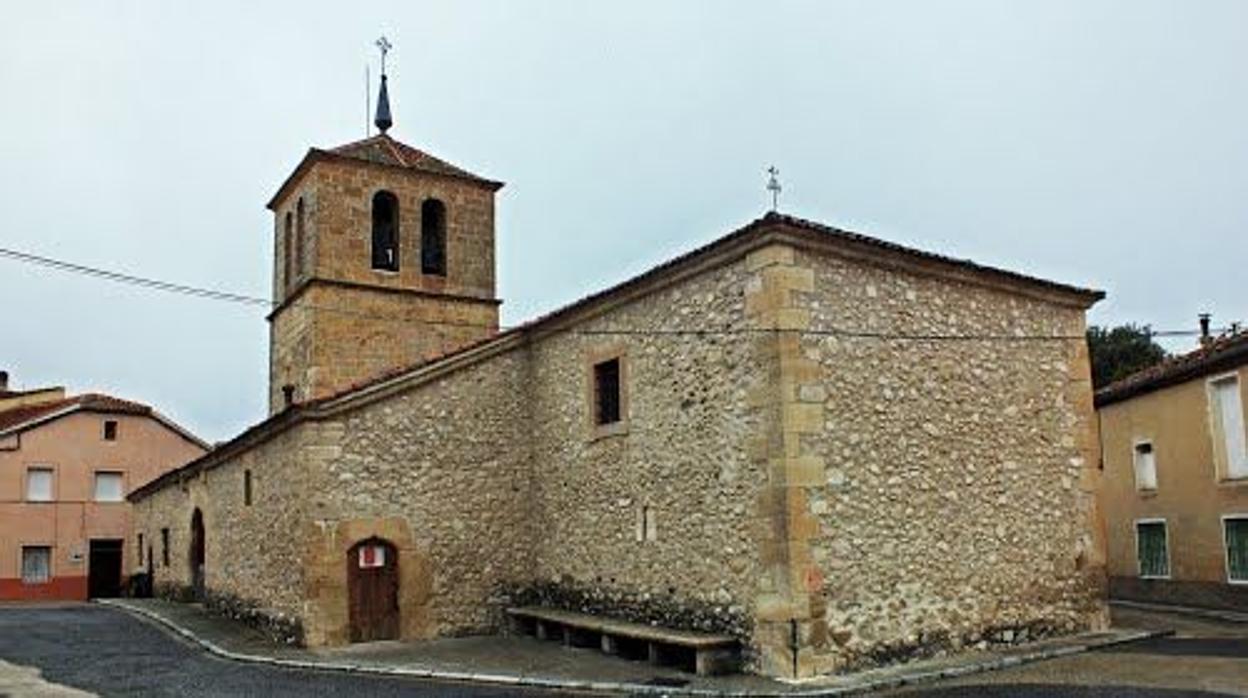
[[1223, 353], [384, 150]]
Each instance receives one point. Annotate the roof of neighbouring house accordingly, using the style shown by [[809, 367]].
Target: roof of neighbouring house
[[19, 419], [387, 152], [752, 235], [1221, 354]]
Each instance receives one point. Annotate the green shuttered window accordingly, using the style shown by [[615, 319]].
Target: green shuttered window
[[1150, 537]]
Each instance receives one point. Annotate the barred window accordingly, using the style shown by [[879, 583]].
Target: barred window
[[36, 564], [1151, 548], [1236, 548]]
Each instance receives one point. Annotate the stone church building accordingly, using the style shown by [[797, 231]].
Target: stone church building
[[839, 450]]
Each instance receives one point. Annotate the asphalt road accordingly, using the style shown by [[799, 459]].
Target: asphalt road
[[110, 653]]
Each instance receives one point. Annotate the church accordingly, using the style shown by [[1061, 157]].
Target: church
[[834, 449]]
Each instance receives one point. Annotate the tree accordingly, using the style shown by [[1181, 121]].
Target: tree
[[1117, 352]]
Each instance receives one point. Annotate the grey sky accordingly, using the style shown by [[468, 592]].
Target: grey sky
[[1097, 143]]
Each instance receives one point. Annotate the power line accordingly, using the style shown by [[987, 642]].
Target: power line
[[255, 301]]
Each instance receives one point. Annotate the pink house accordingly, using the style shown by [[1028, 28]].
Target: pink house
[[66, 465]]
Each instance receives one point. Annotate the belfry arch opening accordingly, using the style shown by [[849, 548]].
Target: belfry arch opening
[[385, 231]]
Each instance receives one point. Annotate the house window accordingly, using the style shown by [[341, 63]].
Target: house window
[[36, 564], [1227, 415], [1145, 466], [108, 487], [1151, 549], [1235, 529], [110, 430], [301, 239], [385, 231], [38, 484], [247, 487], [433, 237], [607, 392], [164, 546]]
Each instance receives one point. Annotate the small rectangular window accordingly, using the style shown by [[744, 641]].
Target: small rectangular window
[[164, 546], [36, 564], [110, 430], [1145, 466], [38, 484], [607, 392], [140, 550], [1236, 531], [1151, 549], [108, 487], [1227, 413], [247, 487]]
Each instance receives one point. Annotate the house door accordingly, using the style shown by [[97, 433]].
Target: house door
[[196, 554], [104, 568], [373, 591]]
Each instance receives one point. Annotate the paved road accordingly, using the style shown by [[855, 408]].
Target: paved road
[[110, 653], [1204, 658]]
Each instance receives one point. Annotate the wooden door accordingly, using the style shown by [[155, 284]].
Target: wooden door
[[196, 554], [104, 568], [373, 591]]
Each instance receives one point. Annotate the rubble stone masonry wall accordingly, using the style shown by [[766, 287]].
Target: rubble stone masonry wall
[[957, 498]]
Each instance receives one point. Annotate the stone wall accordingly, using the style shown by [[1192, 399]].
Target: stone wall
[[337, 325], [680, 461], [255, 553], [445, 467], [957, 501]]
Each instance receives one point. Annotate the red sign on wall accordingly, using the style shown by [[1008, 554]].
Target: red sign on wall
[[372, 556]]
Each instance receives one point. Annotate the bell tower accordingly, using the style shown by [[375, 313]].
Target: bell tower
[[383, 259]]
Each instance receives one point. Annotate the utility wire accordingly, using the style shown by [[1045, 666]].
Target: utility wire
[[255, 301]]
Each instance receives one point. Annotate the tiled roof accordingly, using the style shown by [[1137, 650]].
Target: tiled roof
[[1223, 353], [28, 416], [384, 150], [387, 152]]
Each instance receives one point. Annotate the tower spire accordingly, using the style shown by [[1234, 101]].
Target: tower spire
[[383, 120]]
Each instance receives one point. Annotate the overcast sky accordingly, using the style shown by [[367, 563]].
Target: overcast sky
[[1095, 143]]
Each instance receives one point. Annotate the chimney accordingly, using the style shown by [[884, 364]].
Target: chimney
[[4, 381], [1205, 338], [288, 395]]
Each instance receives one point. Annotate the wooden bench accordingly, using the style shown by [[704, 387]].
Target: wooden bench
[[704, 653]]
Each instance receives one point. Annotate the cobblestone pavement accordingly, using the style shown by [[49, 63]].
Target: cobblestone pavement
[[1204, 658], [109, 653]]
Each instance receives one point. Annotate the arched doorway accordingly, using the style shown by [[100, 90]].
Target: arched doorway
[[373, 590], [196, 554]]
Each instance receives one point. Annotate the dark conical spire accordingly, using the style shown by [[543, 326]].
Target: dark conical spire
[[383, 119]]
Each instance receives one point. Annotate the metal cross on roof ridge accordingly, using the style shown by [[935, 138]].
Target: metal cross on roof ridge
[[773, 186]]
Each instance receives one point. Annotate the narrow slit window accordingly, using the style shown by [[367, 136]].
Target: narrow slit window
[[607, 392], [288, 254], [1152, 549], [433, 237], [301, 239], [247, 487], [385, 231], [164, 546]]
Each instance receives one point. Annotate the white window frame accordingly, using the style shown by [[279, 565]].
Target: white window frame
[[1226, 551], [1139, 567], [43, 467], [95, 486], [1217, 429], [1135, 466]]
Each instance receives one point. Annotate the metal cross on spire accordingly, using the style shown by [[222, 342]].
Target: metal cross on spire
[[385, 47], [383, 119], [773, 186]]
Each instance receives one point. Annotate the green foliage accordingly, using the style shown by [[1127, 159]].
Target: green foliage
[[1117, 352]]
